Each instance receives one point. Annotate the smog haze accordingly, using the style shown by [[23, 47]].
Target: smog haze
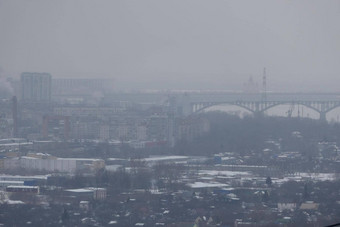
[[191, 44]]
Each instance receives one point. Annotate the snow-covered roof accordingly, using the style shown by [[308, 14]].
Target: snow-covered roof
[[84, 190], [37, 177], [207, 185], [164, 158], [22, 186], [223, 173], [11, 182], [79, 190]]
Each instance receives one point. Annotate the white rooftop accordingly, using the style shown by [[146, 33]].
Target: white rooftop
[[207, 185], [164, 158]]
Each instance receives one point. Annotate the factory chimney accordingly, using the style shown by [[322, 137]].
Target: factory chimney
[[15, 116]]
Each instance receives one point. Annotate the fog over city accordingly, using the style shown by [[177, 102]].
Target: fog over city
[[175, 113], [191, 44]]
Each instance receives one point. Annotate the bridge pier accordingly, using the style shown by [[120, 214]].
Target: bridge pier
[[323, 116], [258, 114]]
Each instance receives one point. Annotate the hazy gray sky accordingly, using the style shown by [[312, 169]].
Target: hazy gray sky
[[169, 44]]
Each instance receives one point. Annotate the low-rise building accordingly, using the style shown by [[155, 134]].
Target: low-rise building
[[95, 193], [53, 164], [286, 206]]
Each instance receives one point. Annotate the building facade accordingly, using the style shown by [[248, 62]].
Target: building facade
[[36, 87]]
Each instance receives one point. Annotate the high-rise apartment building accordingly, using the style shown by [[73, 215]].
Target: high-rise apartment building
[[36, 87]]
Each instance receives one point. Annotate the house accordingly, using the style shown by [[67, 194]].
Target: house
[[309, 205], [286, 206]]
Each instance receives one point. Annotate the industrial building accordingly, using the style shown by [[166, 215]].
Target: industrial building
[[53, 164]]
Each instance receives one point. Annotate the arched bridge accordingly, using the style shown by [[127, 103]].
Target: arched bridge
[[259, 107]]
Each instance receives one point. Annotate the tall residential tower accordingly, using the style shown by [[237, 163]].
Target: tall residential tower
[[36, 87]]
